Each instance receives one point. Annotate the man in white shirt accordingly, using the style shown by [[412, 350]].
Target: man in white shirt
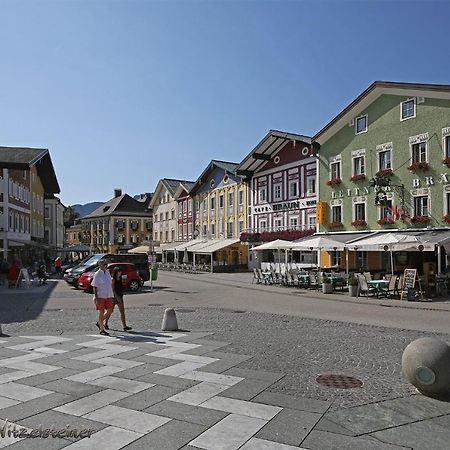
[[103, 294]]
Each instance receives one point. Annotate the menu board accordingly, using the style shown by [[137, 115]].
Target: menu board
[[409, 281]]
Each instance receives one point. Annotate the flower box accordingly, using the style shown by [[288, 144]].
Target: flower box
[[334, 182], [356, 178], [422, 165], [421, 219], [385, 221], [334, 225], [446, 161], [384, 173], [446, 218], [359, 223]]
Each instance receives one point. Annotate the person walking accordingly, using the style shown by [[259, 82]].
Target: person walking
[[58, 265], [103, 295], [117, 287]]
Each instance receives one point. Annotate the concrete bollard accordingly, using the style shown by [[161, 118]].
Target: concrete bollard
[[426, 365], [169, 322]]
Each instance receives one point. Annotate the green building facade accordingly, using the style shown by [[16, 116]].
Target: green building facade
[[384, 163]]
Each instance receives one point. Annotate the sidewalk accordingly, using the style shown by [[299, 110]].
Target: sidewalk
[[244, 280], [184, 390]]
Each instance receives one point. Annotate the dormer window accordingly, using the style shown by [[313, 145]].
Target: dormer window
[[361, 124]]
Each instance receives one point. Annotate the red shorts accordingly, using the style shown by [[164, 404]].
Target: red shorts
[[103, 303]]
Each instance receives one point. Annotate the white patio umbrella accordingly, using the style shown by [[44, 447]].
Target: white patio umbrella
[[387, 241], [278, 244], [318, 243], [185, 256]]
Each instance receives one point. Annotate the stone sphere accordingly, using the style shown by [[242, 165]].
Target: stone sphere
[[426, 365]]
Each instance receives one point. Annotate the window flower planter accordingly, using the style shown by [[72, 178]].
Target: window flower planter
[[334, 182], [446, 161], [384, 173], [422, 165], [356, 178], [446, 218], [359, 223], [421, 219], [335, 225], [385, 221]]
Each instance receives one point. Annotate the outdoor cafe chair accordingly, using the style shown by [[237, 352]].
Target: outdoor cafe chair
[[313, 283], [389, 291], [364, 287], [256, 276], [368, 276]]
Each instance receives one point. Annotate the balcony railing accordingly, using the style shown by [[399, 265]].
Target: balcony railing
[[270, 234]]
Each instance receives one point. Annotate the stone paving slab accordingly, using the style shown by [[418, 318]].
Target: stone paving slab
[[289, 426], [254, 374], [73, 388], [262, 444], [169, 436], [147, 398], [368, 418], [325, 424], [286, 401], [35, 406], [418, 407], [321, 440], [139, 371], [36, 380], [187, 413], [40, 444], [246, 389]]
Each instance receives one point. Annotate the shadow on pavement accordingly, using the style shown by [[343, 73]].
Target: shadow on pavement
[[24, 303]]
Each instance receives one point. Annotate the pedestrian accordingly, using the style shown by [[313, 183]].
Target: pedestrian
[[42, 274], [117, 287], [58, 264], [103, 295]]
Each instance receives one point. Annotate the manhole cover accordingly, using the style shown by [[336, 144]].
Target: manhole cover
[[185, 310], [339, 381], [237, 311], [155, 304]]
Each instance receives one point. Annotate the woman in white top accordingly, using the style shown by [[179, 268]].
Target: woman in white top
[[103, 295]]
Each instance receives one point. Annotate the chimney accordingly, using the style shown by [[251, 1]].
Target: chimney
[[117, 193]]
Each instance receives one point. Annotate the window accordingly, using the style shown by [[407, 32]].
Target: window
[[167, 235], [205, 230], [386, 211], [360, 211], [358, 165], [230, 230], [213, 230], [262, 225], [293, 222], [447, 146], [335, 259], [241, 197], [47, 212], [220, 201], [167, 215], [421, 206], [384, 160], [156, 235], [278, 224], [311, 185], [173, 235], [155, 218], [180, 232], [361, 124], [293, 189], [362, 259], [161, 217], [230, 199], [262, 194], [335, 170], [408, 109], [336, 214], [277, 191], [172, 214], [241, 226], [213, 203], [311, 222], [419, 152]]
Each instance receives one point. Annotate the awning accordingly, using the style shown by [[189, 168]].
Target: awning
[[165, 247], [277, 244], [215, 245], [180, 246]]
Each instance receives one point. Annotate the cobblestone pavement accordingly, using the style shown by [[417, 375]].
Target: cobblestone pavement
[[272, 359]]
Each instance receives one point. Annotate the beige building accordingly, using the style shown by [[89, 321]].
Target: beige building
[[54, 222], [165, 210], [118, 225], [73, 234]]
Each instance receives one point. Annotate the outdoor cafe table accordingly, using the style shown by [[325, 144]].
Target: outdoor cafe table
[[379, 285]]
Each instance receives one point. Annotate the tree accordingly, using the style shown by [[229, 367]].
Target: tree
[[70, 215]]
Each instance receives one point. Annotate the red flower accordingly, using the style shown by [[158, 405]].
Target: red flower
[[384, 173], [334, 182], [446, 218], [385, 221], [334, 225], [446, 161], [359, 223], [355, 178], [422, 165], [421, 219]]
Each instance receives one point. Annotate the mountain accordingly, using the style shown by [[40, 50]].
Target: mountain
[[84, 210]]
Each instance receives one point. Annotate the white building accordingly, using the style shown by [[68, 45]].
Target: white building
[[54, 221]]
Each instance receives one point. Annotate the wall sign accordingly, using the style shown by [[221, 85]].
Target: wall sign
[[285, 206]]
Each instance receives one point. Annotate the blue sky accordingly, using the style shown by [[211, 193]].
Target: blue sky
[[124, 93]]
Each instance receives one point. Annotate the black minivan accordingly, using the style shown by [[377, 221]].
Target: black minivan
[[140, 261]]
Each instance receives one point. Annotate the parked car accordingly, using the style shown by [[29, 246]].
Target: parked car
[[140, 261], [130, 277]]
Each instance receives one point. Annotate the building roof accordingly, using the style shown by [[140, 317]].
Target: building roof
[[227, 166], [184, 186], [170, 184], [25, 158], [273, 142], [124, 205], [375, 90]]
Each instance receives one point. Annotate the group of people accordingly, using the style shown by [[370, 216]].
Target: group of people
[[108, 292]]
